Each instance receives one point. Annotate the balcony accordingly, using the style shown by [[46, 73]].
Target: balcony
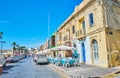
[[58, 41], [80, 34], [66, 39]]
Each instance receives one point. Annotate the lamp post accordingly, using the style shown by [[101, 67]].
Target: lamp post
[[2, 42]]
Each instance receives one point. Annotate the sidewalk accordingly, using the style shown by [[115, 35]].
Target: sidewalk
[[86, 71]]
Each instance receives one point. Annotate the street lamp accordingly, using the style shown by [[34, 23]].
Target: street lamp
[[2, 42]]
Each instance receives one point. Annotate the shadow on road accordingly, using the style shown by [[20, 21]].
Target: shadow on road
[[8, 67], [21, 62], [43, 64], [5, 72]]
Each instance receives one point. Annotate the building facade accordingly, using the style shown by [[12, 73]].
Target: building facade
[[93, 29]]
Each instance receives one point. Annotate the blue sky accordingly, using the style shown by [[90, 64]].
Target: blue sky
[[26, 21]]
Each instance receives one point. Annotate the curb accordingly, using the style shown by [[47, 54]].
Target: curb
[[111, 73], [76, 76], [69, 75], [60, 71], [58, 68]]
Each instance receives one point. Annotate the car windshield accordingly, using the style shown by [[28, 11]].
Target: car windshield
[[41, 56]]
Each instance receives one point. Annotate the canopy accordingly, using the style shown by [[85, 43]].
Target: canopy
[[40, 52], [62, 48], [46, 50]]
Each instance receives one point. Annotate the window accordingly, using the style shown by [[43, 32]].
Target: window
[[57, 38], [73, 29], [74, 45], [60, 36], [83, 24], [95, 49], [91, 19]]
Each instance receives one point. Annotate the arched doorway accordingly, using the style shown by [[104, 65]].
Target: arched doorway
[[83, 53], [95, 51]]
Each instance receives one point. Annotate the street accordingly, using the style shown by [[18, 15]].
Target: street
[[26, 68]]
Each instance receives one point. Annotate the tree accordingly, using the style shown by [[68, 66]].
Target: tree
[[14, 47], [26, 51], [22, 48], [1, 33]]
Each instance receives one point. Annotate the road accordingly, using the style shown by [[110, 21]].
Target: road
[[26, 68]]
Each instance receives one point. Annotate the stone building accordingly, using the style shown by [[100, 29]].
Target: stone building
[[94, 30]]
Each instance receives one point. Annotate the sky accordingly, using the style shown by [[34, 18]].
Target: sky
[[26, 21]]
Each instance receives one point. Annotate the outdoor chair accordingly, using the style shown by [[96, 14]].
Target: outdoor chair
[[67, 64], [63, 61], [52, 60], [59, 62], [56, 61], [76, 62], [71, 62]]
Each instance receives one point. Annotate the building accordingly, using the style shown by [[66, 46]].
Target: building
[[93, 28], [52, 41]]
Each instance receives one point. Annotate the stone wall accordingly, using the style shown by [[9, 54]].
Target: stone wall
[[102, 49], [114, 46], [112, 8]]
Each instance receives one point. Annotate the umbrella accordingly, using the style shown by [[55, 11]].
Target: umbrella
[[62, 48]]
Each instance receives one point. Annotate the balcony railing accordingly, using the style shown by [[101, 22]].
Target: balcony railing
[[80, 33], [59, 41], [65, 38]]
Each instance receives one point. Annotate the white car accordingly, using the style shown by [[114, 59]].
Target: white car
[[41, 59]]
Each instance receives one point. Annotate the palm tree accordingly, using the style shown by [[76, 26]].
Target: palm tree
[[1, 33], [18, 48], [22, 48], [26, 51], [14, 47]]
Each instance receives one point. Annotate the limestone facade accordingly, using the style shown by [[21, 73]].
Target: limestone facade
[[94, 27]]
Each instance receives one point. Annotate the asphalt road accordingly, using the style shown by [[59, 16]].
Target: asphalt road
[[26, 68]]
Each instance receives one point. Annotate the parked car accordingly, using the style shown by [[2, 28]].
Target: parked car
[[12, 59], [42, 59], [2, 60], [35, 58], [15, 59], [9, 60]]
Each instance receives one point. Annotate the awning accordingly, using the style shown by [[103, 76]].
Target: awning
[[46, 50], [62, 48]]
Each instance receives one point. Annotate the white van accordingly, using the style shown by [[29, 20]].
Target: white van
[[2, 60]]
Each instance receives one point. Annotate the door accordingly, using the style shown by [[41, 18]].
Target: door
[[95, 51], [83, 53]]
